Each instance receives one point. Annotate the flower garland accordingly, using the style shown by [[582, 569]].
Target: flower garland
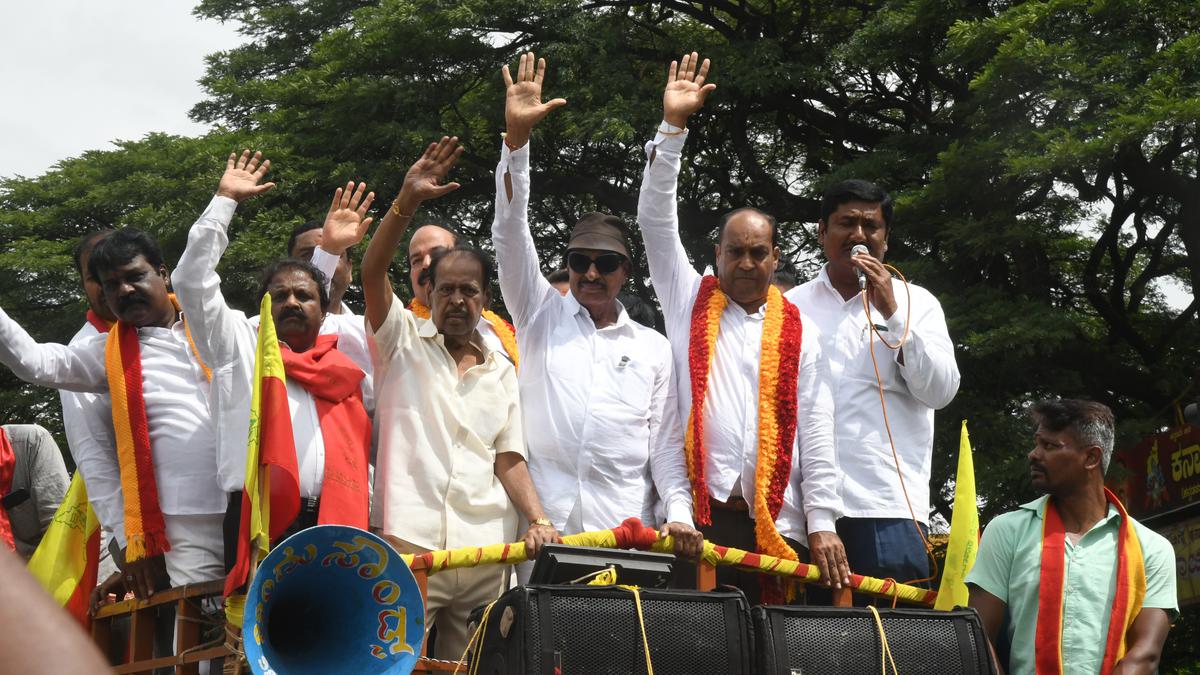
[[504, 330], [778, 370]]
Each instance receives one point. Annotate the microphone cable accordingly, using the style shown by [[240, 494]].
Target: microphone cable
[[883, 405]]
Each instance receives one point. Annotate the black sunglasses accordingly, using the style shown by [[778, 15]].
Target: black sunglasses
[[606, 263]]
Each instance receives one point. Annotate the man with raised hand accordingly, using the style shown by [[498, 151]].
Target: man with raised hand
[[424, 243], [1070, 581], [451, 464], [326, 390], [753, 385], [597, 386], [885, 496], [162, 481]]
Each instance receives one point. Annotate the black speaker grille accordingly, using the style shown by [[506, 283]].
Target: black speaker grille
[[600, 636], [850, 644]]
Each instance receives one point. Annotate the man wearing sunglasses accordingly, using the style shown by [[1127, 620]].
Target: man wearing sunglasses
[[597, 389], [740, 432]]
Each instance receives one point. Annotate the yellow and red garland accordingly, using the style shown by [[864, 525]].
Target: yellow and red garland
[[504, 330], [778, 369]]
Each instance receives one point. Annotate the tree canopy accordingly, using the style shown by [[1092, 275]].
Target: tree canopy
[[1043, 155]]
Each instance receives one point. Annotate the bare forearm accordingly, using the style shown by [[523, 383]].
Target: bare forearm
[[513, 473], [377, 285]]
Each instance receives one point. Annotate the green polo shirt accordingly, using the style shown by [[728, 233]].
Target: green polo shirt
[[1009, 567]]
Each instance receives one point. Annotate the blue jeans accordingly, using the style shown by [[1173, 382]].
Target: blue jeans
[[885, 548]]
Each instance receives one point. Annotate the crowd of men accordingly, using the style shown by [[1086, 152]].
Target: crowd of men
[[756, 421]]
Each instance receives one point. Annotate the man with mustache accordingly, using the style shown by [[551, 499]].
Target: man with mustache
[[597, 385], [328, 256], [753, 384], [451, 469], [1070, 582], [328, 393], [157, 388], [884, 526]]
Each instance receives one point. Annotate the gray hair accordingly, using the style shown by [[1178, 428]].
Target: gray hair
[[1089, 422]]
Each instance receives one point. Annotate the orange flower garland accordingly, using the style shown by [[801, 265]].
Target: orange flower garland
[[778, 370], [504, 329]]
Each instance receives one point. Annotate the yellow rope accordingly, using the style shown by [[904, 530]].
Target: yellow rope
[[637, 602], [885, 652], [476, 641]]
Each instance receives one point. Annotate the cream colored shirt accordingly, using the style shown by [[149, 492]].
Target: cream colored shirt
[[435, 481]]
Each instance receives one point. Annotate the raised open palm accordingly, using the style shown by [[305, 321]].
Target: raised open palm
[[686, 90], [347, 222], [523, 107], [242, 176], [424, 178]]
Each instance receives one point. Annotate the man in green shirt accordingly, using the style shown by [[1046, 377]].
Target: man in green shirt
[[1013, 584]]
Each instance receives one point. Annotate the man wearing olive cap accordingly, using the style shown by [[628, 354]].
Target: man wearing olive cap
[[597, 389]]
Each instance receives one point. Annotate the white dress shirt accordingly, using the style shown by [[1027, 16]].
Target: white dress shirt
[[926, 381], [602, 402], [175, 389], [439, 435], [811, 502], [87, 420], [227, 341]]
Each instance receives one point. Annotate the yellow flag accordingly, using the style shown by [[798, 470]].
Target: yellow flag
[[67, 558], [964, 531], [271, 496]]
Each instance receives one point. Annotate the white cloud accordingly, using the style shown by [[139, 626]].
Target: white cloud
[[79, 74]]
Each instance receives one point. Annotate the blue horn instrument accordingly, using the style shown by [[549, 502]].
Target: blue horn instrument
[[333, 599]]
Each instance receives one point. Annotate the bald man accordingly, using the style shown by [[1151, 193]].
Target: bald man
[[497, 333]]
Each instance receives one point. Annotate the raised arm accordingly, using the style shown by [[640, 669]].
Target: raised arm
[[78, 367], [674, 278], [197, 285], [423, 181], [345, 226], [521, 280]]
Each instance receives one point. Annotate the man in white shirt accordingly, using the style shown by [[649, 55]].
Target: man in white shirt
[[880, 524], [330, 424], [452, 452], [728, 472], [174, 387], [87, 418], [597, 386]]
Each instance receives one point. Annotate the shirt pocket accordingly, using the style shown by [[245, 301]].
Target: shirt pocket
[[632, 385]]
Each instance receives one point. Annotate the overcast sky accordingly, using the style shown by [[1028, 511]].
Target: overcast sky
[[78, 74]]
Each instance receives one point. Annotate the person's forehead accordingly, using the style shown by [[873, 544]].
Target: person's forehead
[[307, 240], [430, 236], [747, 229], [1042, 433], [459, 268], [137, 263], [858, 208], [292, 278]]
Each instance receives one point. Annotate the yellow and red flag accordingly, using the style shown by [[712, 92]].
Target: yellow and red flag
[[68, 558], [271, 497], [964, 531]]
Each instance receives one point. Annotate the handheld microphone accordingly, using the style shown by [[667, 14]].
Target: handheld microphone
[[862, 278]]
